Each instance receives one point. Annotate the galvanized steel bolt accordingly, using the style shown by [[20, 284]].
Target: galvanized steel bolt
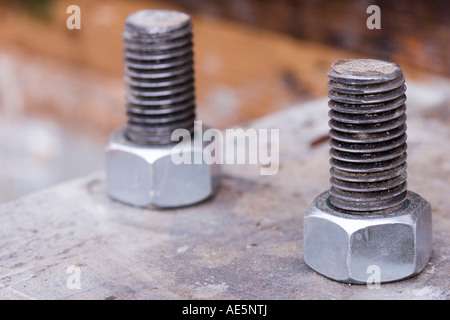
[[368, 136], [159, 75], [368, 217], [160, 98]]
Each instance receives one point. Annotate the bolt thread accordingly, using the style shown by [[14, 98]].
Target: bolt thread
[[159, 75], [368, 136]]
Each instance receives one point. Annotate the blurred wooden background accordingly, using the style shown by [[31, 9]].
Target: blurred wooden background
[[413, 32], [252, 57], [61, 91]]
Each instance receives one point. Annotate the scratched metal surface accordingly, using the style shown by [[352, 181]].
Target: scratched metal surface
[[246, 243]]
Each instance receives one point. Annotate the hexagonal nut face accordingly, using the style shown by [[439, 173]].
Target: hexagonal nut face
[[367, 249], [147, 176]]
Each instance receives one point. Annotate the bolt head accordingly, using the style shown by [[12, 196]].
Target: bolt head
[[346, 247], [146, 175]]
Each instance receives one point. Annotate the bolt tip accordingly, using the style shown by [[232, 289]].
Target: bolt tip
[[365, 69], [156, 21]]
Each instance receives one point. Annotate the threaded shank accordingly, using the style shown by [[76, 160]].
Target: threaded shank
[[159, 75], [368, 135]]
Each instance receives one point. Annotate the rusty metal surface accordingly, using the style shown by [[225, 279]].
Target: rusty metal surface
[[246, 243]]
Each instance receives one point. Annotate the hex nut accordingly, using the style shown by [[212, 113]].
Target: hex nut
[[343, 246], [146, 175]]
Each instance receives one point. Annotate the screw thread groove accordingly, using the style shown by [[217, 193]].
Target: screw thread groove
[[159, 75], [368, 136]]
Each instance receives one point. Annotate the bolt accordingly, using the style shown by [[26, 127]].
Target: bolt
[[368, 135], [160, 98], [159, 75], [368, 194]]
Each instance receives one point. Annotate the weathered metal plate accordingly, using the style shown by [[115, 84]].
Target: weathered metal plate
[[246, 243]]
